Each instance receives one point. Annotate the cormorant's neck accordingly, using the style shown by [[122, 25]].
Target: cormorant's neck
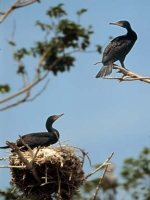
[[49, 126], [50, 129], [129, 29]]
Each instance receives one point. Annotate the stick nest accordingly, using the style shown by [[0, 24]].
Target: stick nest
[[58, 168]]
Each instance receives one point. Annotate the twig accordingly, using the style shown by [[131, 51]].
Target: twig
[[29, 165], [13, 190], [105, 163], [12, 166], [84, 154], [128, 75], [22, 4], [34, 156], [131, 74], [40, 92], [100, 182], [59, 185], [17, 4], [26, 145], [4, 158], [125, 78], [28, 88], [17, 102]]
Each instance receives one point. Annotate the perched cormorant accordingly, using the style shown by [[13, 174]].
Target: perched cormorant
[[42, 138], [117, 49]]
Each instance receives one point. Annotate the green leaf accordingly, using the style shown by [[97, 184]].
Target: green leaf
[[99, 48], [4, 88], [80, 12], [12, 43], [56, 11], [21, 53]]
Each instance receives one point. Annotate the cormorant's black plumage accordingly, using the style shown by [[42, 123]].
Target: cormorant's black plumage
[[117, 49], [42, 138]]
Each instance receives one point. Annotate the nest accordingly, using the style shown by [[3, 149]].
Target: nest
[[55, 172]]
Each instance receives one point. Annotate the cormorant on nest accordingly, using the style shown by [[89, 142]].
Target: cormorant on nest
[[42, 138]]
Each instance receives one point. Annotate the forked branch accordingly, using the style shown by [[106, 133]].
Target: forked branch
[[17, 4], [127, 75]]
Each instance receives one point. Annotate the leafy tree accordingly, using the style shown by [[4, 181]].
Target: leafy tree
[[62, 38]]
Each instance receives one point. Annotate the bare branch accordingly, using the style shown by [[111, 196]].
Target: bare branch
[[29, 165], [17, 102], [127, 75], [26, 145], [16, 5], [40, 92], [105, 163], [131, 74], [12, 166], [23, 4], [100, 182], [6, 158], [29, 87]]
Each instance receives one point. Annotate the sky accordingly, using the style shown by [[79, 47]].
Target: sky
[[101, 116]]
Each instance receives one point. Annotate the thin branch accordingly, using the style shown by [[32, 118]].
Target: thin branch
[[131, 74], [29, 165], [26, 145], [32, 84], [12, 166], [100, 182], [125, 78], [23, 4], [4, 158], [83, 156], [29, 87], [17, 102], [40, 92], [105, 163], [127, 75], [16, 5]]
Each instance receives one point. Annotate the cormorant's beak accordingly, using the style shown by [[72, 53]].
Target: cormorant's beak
[[116, 23], [59, 115]]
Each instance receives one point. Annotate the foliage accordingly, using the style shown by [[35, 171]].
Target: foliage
[[136, 173], [8, 194], [63, 36], [4, 88]]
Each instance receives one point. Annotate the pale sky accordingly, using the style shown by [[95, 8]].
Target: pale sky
[[101, 116]]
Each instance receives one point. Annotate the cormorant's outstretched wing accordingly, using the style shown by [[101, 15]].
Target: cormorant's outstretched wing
[[117, 49]]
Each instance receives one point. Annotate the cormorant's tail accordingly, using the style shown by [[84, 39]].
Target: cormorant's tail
[[105, 71], [6, 147]]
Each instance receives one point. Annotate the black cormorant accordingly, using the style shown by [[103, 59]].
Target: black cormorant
[[42, 138], [117, 49]]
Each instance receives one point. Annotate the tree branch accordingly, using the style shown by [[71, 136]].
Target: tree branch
[[16, 5], [132, 75], [29, 165], [105, 163], [127, 75], [100, 182], [27, 88]]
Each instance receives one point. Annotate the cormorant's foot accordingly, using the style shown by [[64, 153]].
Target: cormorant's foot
[[126, 68], [119, 71]]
